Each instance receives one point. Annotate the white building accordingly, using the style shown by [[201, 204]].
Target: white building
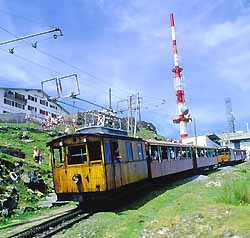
[[33, 102], [202, 140], [237, 140]]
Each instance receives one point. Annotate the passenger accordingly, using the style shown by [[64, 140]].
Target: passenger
[[40, 158], [36, 154]]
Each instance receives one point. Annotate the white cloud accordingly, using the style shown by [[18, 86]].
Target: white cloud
[[221, 33]]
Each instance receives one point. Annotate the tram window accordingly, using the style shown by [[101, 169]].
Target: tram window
[[58, 157], [94, 149], [140, 151], [178, 152], [154, 152], [107, 151], [189, 153], [171, 153], [184, 153], [77, 154], [115, 151], [129, 151], [164, 152]]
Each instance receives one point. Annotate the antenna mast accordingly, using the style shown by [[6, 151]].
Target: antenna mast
[[183, 116]]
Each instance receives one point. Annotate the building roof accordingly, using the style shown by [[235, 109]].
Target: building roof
[[235, 136], [39, 90]]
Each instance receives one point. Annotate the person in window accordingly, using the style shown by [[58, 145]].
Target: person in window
[[155, 155]]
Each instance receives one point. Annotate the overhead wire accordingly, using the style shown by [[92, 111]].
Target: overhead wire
[[69, 65]]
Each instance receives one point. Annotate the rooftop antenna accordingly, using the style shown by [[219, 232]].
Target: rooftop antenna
[[183, 113]]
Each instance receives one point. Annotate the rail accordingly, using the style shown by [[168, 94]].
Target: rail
[[53, 226]]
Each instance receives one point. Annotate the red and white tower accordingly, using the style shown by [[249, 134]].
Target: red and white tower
[[183, 116]]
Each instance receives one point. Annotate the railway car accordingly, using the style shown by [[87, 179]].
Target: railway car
[[165, 158], [228, 155], [204, 157], [98, 162], [94, 162]]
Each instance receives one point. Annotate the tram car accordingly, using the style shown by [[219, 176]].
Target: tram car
[[228, 155], [96, 161], [167, 158]]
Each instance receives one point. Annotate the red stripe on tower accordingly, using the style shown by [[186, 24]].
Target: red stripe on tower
[[183, 117]]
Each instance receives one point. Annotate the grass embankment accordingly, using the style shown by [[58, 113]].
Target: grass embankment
[[215, 206], [13, 138]]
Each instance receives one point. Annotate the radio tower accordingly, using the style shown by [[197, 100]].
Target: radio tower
[[183, 117]]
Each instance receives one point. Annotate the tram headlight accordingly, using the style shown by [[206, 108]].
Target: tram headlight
[[76, 178]]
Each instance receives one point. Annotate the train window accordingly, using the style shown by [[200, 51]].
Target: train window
[[184, 153], [178, 152], [129, 151], [115, 151], [154, 153], [189, 153], [140, 151], [94, 149], [200, 152], [171, 153], [107, 151], [77, 154], [58, 157], [164, 152]]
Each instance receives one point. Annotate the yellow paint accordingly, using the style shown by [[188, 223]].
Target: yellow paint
[[92, 178], [223, 158]]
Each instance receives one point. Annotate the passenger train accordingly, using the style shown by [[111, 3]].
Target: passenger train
[[98, 162]]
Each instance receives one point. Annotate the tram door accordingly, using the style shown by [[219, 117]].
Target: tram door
[[113, 168], [116, 163]]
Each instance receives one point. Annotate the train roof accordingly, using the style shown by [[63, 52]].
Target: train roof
[[170, 143], [97, 131], [162, 142]]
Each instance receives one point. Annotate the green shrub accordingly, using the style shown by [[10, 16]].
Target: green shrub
[[236, 192]]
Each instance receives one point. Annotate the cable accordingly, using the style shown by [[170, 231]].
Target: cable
[[75, 67], [32, 62]]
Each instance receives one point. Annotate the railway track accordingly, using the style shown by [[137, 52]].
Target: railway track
[[53, 226]]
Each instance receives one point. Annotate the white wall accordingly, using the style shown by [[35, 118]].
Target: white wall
[[35, 93]]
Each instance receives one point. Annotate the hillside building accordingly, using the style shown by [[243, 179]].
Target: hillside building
[[35, 103]]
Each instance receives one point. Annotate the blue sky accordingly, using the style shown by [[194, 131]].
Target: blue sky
[[127, 46]]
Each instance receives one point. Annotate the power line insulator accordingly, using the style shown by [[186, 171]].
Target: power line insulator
[[11, 51], [34, 44]]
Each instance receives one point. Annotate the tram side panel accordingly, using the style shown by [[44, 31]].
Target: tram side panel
[[205, 157], [168, 159], [125, 162]]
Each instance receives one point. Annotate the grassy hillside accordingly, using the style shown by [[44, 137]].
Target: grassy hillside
[[209, 206], [11, 135]]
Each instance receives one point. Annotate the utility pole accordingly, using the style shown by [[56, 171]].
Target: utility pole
[[139, 109], [195, 132], [133, 112], [110, 102]]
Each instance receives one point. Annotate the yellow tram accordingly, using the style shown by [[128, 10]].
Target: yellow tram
[[228, 155], [96, 160]]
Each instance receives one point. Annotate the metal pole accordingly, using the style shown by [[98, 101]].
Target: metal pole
[[140, 127], [30, 36], [110, 102], [195, 132]]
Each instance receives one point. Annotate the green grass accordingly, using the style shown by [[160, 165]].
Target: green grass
[[192, 209], [237, 192], [146, 134], [12, 138]]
